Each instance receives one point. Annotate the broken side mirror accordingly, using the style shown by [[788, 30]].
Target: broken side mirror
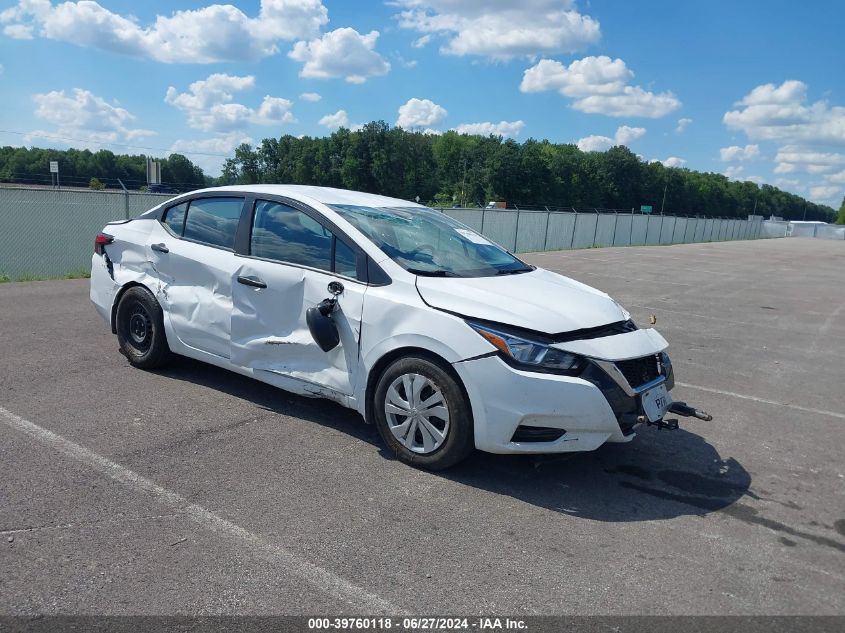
[[319, 319]]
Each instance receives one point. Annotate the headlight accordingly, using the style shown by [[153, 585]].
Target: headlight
[[528, 354]]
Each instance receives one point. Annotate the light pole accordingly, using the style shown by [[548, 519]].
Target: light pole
[[464, 185]]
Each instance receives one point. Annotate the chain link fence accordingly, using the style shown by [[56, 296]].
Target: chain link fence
[[784, 228], [522, 231], [50, 232]]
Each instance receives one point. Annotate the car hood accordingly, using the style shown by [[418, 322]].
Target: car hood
[[540, 300]]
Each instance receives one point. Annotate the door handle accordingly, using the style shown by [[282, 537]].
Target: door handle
[[161, 248], [255, 282]]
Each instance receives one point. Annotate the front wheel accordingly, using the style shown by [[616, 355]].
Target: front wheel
[[140, 329], [422, 414]]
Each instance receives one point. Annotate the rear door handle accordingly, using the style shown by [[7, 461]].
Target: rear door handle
[[161, 248], [255, 282]]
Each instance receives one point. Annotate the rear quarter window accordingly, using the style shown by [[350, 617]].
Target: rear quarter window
[[174, 218]]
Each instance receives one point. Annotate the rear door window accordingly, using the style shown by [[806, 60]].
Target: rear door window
[[213, 221]]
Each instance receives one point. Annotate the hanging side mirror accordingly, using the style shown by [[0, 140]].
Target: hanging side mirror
[[319, 319]]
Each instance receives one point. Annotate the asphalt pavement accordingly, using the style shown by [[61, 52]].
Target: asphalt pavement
[[192, 490]]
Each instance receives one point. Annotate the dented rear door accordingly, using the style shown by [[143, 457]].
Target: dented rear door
[[194, 262]]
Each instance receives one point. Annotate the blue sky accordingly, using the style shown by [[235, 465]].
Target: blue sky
[[754, 90]]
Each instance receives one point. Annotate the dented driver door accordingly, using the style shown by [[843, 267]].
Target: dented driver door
[[270, 298]]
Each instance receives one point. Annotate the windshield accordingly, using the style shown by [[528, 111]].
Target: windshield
[[427, 242]]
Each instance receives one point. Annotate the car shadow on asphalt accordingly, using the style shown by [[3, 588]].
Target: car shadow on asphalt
[[658, 475]]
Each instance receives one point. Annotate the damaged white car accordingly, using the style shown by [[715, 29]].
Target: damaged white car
[[442, 339]]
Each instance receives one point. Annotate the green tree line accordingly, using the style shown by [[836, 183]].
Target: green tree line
[[454, 168], [84, 168], [444, 169]]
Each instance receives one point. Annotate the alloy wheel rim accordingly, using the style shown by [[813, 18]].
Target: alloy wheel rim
[[417, 413]]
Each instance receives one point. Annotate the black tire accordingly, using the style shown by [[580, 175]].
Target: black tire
[[459, 441], [140, 329]]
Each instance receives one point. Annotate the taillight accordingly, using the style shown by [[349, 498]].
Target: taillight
[[100, 241]]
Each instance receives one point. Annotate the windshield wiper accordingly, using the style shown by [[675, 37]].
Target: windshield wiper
[[432, 273], [513, 271]]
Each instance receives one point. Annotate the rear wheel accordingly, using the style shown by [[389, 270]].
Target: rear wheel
[[140, 329], [422, 414]]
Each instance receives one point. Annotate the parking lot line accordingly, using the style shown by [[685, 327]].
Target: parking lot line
[[833, 414], [321, 578]]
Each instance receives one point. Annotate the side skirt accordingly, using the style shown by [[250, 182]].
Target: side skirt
[[281, 381]]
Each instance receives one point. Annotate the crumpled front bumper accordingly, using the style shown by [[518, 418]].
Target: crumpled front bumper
[[503, 398], [592, 408]]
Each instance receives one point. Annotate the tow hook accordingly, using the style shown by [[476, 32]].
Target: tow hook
[[679, 408], [682, 408]]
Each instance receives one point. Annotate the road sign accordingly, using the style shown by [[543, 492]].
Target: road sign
[[645, 208], [54, 167]]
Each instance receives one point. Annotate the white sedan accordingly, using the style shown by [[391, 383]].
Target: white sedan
[[442, 339]]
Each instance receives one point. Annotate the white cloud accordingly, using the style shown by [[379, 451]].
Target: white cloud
[[310, 96], [421, 42], [838, 177], [500, 29], [214, 33], [210, 153], [633, 101], [735, 152], [796, 158], [682, 125], [737, 172], [420, 113], [502, 128], [825, 193], [782, 113], [273, 111], [598, 85], [809, 135], [19, 31], [336, 120], [341, 53], [672, 161], [595, 143], [222, 144], [625, 135], [582, 78], [406, 63], [789, 183], [209, 104], [87, 117]]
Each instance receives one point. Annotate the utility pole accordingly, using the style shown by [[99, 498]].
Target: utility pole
[[662, 204], [464, 185]]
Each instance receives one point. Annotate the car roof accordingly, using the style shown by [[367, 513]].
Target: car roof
[[325, 195]]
